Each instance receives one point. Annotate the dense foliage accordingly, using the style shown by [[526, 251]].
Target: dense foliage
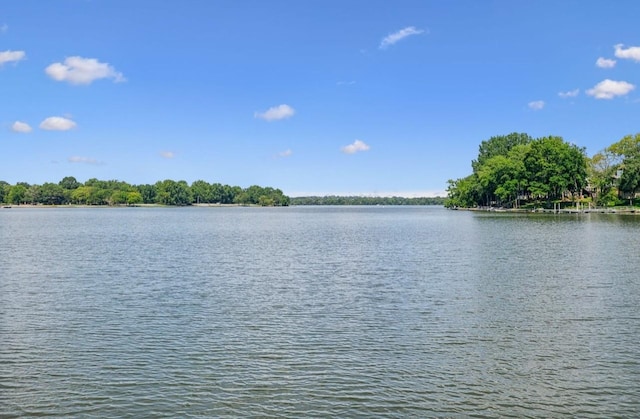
[[516, 170], [614, 172], [114, 192], [364, 200]]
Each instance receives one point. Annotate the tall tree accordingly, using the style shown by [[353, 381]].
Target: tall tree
[[171, 192], [627, 146], [630, 177], [499, 145], [17, 194], [602, 168], [148, 193], [512, 167], [464, 192], [69, 182], [201, 191], [554, 166], [4, 190], [52, 194], [82, 195]]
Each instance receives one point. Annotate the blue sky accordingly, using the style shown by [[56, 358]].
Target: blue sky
[[313, 97]]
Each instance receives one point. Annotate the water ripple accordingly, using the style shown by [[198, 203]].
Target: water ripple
[[317, 312]]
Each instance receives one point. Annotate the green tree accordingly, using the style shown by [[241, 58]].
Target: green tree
[[499, 145], [119, 197], [100, 196], [255, 192], [243, 198], [52, 194], [514, 167], [217, 193], [34, 194], [501, 177], [266, 201], [627, 146], [69, 183], [626, 153], [463, 193], [82, 195], [202, 192], [148, 193], [115, 192], [95, 183], [17, 194], [4, 190], [134, 198], [229, 194], [171, 192], [601, 170], [630, 177], [555, 167], [279, 198]]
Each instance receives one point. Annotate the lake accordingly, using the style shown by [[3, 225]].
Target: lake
[[318, 312]]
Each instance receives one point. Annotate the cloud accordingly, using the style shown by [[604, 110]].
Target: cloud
[[285, 153], [605, 63], [20, 126], [355, 147], [398, 36], [11, 56], [536, 105], [570, 93], [4, 28], [85, 160], [167, 154], [608, 89], [346, 83], [631, 53], [276, 112], [57, 123], [78, 70]]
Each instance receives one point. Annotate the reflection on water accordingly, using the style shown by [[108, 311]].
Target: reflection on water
[[309, 312]]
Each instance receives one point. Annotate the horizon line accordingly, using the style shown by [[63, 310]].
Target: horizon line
[[403, 194]]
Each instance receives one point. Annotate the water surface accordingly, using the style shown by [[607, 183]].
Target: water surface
[[317, 312]]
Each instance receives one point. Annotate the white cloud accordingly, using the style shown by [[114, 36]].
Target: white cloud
[[57, 123], [11, 56], [285, 153], [608, 89], [20, 126], [605, 63], [346, 83], [570, 93], [536, 105], [631, 53], [4, 28], [398, 36], [355, 147], [78, 70], [167, 154], [276, 112], [85, 160]]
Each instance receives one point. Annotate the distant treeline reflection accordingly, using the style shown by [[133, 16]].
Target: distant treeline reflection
[[364, 200]]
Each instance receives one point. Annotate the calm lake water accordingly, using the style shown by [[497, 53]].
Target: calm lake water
[[318, 312]]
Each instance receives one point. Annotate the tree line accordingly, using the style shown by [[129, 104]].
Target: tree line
[[517, 170], [115, 192], [364, 200]]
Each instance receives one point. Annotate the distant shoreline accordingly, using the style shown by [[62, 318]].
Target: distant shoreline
[[621, 210], [30, 206]]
